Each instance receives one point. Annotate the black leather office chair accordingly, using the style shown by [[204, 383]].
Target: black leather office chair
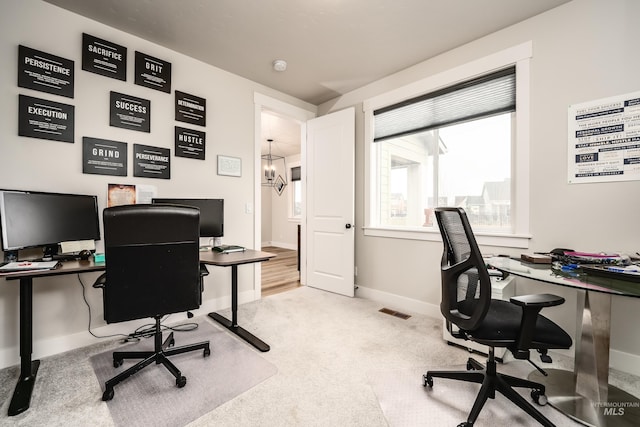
[[152, 269], [515, 324]]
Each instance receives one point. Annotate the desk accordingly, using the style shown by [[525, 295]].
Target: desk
[[29, 368], [584, 394], [233, 260]]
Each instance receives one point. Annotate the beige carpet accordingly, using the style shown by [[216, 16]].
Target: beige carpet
[[151, 398], [405, 402]]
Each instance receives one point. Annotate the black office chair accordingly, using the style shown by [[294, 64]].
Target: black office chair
[[152, 269], [515, 324]]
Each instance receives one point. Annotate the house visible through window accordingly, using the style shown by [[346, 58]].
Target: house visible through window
[[451, 147]]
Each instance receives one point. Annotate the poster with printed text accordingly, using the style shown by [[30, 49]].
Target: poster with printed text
[[130, 112], [191, 109], [604, 140], [151, 162], [189, 143], [103, 57], [44, 72], [152, 72], [44, 119], [104, 157]]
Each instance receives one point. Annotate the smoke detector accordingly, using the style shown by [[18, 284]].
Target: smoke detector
[[279, 65]]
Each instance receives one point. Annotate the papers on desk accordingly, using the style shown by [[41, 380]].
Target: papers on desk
[[28, 266], [227, 249]]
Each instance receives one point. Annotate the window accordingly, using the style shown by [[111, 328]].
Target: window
[[296, 192], [451, 140]]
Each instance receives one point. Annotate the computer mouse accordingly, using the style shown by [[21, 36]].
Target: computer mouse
[[84, 254]]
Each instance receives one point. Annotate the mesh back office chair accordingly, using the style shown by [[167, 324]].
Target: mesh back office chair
[[152, 269], [515, 324]]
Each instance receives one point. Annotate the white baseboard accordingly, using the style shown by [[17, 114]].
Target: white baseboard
[[399, 303], [625, 362], [51, 346], [284, 245]]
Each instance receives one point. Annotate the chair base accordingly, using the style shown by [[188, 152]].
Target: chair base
[[160, 355], [493, 381]]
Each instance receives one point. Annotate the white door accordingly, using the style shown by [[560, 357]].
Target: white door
[[330, 202]]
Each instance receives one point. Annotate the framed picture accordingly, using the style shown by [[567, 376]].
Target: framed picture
[[229, 166], [279, 185]]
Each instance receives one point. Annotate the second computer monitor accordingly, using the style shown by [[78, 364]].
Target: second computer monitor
[[211, 214]]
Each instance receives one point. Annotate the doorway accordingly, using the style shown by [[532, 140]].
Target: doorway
[[281, 204]]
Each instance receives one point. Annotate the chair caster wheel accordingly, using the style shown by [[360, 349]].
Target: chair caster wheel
[[117, 363], [538, 397], [206, 352], [107, 395], [181, 382], [465, 424], [427, 380]]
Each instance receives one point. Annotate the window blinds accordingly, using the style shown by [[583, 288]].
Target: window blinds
[[480, 97]]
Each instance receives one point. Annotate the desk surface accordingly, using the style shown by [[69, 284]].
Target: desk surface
[[577, 278], [247, 256], [64, 267]]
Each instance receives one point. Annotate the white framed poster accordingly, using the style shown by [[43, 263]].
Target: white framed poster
[[229, 166], [604, 140]]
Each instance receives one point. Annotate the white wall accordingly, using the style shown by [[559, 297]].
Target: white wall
[[584, 50], [60, 316]]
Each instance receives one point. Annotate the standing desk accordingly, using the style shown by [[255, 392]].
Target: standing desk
[[584, 394], [29, 368], [233, 260]]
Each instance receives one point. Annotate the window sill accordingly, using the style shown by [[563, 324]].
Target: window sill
[[433, 235]]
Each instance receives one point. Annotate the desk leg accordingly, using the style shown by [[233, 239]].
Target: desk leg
[[233, 324], [585, 394], [28, 368]]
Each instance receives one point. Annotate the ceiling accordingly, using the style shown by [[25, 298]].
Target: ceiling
[[331, 46]]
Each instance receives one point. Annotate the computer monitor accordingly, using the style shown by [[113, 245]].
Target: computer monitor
[[31, 219], [211, 214]]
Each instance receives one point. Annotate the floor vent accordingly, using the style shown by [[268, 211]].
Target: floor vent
[[394, 313]]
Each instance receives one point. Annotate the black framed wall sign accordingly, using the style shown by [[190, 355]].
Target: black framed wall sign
[[129, 112], [103, 57], [104, 157], [152, 72], [191, 109], [44, 72], [190, 143], [44, 119], [151, 162]]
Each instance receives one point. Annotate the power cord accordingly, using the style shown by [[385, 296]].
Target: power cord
[[144, 331]]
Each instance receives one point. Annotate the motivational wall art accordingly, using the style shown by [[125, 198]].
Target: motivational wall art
[[153, 73], [44, 119], [44, 72], [151, 162], [104, 157], [189, 143], [103, 57], [129, 112], [191, 109]]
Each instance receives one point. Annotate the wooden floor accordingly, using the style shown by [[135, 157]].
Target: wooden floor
[[280, 274]]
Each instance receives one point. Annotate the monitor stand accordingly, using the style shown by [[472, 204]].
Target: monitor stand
[[49, 252]]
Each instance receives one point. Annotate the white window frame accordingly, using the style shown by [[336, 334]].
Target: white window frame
[[520, 56], [290, 191]]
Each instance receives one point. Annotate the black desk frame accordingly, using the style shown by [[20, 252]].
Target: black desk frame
[[29, 368], [233, 260]]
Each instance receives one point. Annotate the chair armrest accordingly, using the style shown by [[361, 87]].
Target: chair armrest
[[537, 300], [100, 281], [531, 306]]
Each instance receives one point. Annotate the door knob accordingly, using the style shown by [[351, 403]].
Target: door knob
[[348, 225]]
